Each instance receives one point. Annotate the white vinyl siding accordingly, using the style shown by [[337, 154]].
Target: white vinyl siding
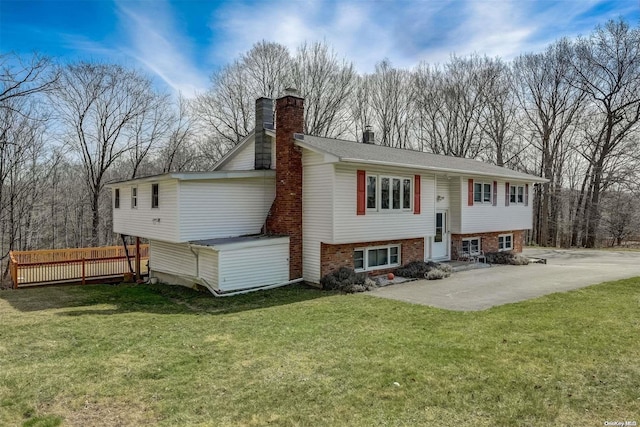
[[484, 217], [252, 267], [208, 265], [317, 205], [443, 198], [373, 226], [457, 198], [172, 258], [159, 223], [224, 207], [244, 159]]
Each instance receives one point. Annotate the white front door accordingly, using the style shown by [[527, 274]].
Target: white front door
[[440, 246]]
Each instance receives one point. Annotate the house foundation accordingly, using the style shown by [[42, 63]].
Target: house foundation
[[489, 241], [332, 257]]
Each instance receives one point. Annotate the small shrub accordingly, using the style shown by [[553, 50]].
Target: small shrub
[[519, 260], [424, 270], [506, 257], [436, 274], [446, 268], [346, 280]]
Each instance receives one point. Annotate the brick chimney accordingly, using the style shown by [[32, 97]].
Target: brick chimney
[[285, 217], [264, 120]]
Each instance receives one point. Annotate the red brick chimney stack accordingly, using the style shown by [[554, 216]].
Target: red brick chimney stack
[[285, 217]]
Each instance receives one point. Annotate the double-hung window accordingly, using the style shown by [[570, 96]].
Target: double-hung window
[[155, 195], [376, 258], [389, 193], [134, 197], [471, 246], [516, 194], [481, 192], [372, 199], [505, 242]]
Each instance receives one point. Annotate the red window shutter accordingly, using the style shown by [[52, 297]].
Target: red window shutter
[[506, 193], [416, 194], [362, 192], [495, 193], [470, 193], [526, 194]]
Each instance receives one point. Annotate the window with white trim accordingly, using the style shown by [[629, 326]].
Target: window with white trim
[[471, 246], [372, 192], [481, 192], [376, 258], [116, 199], [134, 197], [516, 194], [389, 193], [505, 242]]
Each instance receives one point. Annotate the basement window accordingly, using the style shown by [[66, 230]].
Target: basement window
[[505, 242], [376, 258], [155, 195], [471, 246]]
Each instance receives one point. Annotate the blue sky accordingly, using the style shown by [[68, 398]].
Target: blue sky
[[180, 42]]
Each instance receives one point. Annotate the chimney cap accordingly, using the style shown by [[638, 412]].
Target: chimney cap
[[291, 91]]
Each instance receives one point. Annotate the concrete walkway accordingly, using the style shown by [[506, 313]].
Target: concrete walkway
[[487, 287]]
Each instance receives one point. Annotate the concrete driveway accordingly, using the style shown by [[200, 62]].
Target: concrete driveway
[[480, 289]]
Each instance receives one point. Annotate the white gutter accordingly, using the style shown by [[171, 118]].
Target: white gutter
[[529, 178]]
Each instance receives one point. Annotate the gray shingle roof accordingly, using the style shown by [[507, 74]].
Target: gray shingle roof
[[356, 152]]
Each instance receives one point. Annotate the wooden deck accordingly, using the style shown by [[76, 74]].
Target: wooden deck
[[62, 266]]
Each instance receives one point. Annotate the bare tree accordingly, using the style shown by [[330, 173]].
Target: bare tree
[[22, 126], [225, 113], [499, 116], [450, 100], [608, 66], [178, 153], [326, 83], [99, 105], [148, 130], [551, 105], [391, 101]]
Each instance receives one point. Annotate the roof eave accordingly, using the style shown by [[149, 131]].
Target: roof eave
[[197, 176], [461, 172]]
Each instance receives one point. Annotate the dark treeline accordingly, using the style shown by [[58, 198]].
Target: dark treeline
[[570, 113]]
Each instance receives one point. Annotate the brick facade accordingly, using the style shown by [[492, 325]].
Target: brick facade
[[285, 216], [333, 257], [489, 241]]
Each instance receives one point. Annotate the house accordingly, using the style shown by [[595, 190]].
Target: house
[[283, 206]]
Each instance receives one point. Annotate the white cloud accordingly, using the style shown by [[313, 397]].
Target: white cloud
[[405, 32], [157, 44]]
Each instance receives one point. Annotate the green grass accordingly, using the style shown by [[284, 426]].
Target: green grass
[[140, 355]]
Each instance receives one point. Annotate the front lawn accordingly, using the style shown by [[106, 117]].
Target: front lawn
[[141, 355]]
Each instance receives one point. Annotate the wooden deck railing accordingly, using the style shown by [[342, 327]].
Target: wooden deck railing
[[72, 265]]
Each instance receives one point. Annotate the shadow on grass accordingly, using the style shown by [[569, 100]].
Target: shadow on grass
[[159, 299]]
